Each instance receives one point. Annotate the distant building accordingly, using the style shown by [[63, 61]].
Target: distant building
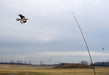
[[84, 62]]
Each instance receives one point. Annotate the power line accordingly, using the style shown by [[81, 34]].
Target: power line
[[84, 42]]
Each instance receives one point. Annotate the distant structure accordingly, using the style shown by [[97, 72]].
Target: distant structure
[[101, 63], [22, 19], [18, 62], [30, 62], [41, 62], [84, 62]]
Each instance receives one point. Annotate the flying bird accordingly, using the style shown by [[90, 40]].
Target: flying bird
[[22, 19], [102, 48]]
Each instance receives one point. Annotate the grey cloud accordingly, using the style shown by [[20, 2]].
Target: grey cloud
[[51, 26]]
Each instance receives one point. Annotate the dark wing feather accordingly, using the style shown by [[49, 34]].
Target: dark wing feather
[[21, 16]]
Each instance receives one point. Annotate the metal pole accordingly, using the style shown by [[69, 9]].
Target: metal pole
[[85, 42]]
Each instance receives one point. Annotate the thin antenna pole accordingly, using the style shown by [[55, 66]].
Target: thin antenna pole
[[85, 42]]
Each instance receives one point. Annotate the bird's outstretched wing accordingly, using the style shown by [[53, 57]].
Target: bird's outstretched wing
[[21, 16], [18, 19]]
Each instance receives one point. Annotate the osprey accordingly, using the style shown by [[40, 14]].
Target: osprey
[[22, 19]]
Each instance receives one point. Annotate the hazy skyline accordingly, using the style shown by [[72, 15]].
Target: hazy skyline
[[51, 31]]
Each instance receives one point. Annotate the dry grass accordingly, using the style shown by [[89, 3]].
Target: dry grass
[[74, 71]]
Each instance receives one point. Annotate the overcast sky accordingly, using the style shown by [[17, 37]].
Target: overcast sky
[[51, 34]]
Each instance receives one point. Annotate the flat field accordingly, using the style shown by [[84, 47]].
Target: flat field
[[48, 71]]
